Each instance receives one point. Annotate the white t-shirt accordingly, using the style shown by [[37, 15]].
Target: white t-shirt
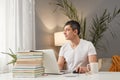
[[77, 56]]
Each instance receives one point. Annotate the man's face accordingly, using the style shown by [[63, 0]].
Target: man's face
[[69, 32]]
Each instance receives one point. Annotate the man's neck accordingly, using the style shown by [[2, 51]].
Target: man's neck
[[75, 42]]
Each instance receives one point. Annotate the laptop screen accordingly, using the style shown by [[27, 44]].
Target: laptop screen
[[50, 61]]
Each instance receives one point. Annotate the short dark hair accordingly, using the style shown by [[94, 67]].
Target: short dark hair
[[74, 25]]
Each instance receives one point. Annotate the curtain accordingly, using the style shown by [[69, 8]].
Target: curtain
[[2, 34], [17, 29]]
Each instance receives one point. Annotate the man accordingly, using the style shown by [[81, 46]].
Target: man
[[78, 52]]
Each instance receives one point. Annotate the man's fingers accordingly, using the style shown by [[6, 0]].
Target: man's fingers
[[80, 69], [77, 69]]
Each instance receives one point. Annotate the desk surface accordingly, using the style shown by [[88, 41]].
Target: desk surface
[[99, 76]]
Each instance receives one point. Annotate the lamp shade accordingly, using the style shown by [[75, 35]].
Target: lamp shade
[[59, 38]]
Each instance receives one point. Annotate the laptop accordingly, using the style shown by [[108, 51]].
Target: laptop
[[50, 62]]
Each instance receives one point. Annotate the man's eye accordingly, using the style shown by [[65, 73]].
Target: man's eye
[[68, 29]]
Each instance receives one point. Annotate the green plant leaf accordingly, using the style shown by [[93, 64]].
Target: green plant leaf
[[11, 54]]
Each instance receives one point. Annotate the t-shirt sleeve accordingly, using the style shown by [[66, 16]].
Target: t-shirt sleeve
[[91, 49], [61, 52]]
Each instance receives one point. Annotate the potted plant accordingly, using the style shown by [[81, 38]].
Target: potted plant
[[12, 55]]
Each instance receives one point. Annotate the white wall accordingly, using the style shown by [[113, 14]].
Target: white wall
[[48, 22]]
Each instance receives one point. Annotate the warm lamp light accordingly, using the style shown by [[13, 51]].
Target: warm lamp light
[[59, 38]]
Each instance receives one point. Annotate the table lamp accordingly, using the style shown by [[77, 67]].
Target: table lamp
[[59, 38]]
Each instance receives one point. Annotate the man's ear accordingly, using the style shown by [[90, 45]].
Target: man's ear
[[76, 31]]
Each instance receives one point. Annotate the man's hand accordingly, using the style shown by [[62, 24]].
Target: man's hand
[[81, 69]]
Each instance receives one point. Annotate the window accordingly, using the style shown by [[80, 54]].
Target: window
[[17, 27]]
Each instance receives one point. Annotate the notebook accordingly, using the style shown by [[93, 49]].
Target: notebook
[[50, 62]]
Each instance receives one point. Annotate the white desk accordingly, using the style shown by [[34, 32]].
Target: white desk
[[99, 76]]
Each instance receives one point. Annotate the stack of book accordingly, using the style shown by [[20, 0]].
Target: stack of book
[[28, 64]]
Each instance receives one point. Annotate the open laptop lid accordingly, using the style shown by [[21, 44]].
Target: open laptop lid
[[50, 62]]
